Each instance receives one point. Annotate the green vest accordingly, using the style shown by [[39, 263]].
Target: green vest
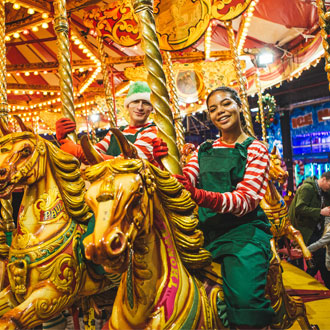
[[221, 169], [114, 149]]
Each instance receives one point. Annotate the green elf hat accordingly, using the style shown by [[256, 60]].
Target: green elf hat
[[139, 90]]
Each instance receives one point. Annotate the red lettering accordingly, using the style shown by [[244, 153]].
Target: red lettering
[[302, 121]]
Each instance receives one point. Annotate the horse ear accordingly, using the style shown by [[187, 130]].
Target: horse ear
[[22, 125], [92, 156], [127, 148], [274, 151], [4, 127]]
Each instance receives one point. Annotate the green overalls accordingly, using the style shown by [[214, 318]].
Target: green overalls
[[114, 149], [240, 244]]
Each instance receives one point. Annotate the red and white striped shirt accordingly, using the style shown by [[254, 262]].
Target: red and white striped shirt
[[250, 190], [143, 142]]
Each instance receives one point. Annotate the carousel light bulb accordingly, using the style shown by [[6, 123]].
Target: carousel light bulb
[[7, 38], [44, 16], [16, 35], [27, 73], [35, 29], [16, 6], [35, 73], [76, 42], [25, 32], [44, 25], [30, 92], [30, 11]]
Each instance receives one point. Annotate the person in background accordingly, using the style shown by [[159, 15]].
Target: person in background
[[140, 131], [307, 211], [227, 178]]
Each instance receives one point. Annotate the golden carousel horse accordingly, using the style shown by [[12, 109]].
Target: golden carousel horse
[[46, 269], [276, 209], [146, 229]]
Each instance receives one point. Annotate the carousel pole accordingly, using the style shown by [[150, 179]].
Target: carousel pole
[[324, 22], [261, 107], [61, 28], [175, 101], [6, 222], [106, 83], [157, 83], [240, 78]]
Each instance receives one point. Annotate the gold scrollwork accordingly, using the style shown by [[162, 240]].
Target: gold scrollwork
[[17, 276], [225, 10]]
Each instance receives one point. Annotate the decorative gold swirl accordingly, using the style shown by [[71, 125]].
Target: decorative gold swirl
[[157, 82]]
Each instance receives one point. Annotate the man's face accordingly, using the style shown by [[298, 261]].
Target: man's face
[[139, 112], [324, 184]]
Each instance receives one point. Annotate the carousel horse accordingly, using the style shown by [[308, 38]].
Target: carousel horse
[[146, 229], [276, 209], [46, 268]]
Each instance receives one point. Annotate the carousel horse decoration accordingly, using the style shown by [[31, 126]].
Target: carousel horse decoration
[[146, 229], [276, 209], [46, 269]]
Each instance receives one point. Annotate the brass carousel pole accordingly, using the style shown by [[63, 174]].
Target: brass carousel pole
[[106, 82], [6, 222], [240, 78], [324, 22], [261, 107], [174, 100], [157, 82], [61, 28]]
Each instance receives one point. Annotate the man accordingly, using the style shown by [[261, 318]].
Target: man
[[307, 211], [140, 132]]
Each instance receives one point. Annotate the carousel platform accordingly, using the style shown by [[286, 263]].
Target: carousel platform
[[315, 295]]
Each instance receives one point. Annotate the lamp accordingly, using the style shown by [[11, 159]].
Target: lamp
[[264, 57]]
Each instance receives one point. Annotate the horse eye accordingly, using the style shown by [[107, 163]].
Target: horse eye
[[26, 152], [140, 190]]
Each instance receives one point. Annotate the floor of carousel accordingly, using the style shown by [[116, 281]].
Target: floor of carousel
[[297, 282]]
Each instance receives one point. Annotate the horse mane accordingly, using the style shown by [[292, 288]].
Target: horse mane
[[66, 169], [176, 201]]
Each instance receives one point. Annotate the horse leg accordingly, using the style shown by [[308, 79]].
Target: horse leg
[[294, 234], [44, 303], [273, 248], [7, 300]]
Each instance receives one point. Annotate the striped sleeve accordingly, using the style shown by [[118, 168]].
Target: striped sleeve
[[250, 191], [191, 169], [104, 144], [144, 144]]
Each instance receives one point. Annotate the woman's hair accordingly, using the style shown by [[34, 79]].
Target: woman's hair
[[233, 94]]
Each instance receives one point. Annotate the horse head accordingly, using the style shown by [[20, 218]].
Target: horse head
[[119, 196], [19, 153], [276, 171]]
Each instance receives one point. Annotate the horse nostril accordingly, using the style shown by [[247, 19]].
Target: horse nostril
[[115, 243], [3, 171]]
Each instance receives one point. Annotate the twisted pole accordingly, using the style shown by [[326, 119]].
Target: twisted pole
[[180, 138], [61, 28], [261, 107], [157, 82], [106, 82], [324, 20], [6, 221], [240, 78]]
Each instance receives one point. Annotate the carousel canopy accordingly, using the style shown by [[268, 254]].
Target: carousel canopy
[[193, 34]]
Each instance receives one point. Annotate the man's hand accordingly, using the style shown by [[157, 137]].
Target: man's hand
[[64, 126], [159, 148], [325, 211]]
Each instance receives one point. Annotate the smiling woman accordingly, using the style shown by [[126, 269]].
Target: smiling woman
[[227, 178]]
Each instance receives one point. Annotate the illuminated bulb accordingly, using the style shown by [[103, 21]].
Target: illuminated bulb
[[16, 6], [30, 92], [27, 73], [17, 73], [44, 15], [35, 73], [16, 35], [80, 46], [45, 72], [30, 11], [85, 51], [81, 69], [25, 32], [35, 29], [44, 25], [8, 74], [77, 42], [7, 38]]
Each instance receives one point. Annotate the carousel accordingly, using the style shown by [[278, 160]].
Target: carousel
[[76, 59]]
